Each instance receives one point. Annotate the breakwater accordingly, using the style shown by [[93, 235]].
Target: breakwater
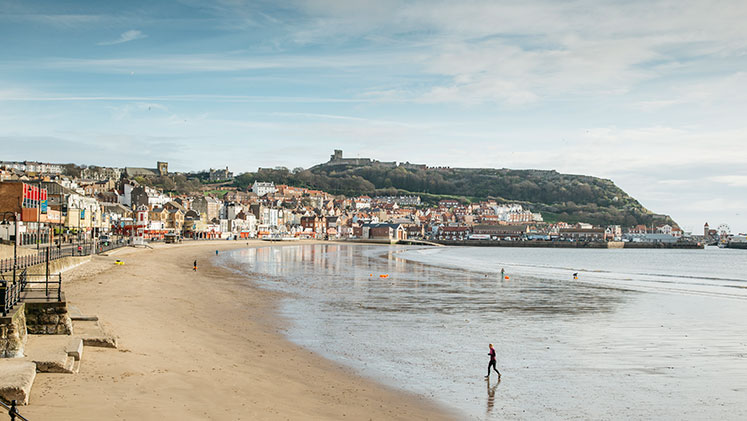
[[570, 244]]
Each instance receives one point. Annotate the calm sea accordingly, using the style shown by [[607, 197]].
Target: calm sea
[[640, 334]]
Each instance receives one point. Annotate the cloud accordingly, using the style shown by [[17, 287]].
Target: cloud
[[731, 180], [17, 95], [127, 36], [224, 62], [518, 53]]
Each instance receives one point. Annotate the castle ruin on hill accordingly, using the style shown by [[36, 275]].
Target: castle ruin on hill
[[336, 159]]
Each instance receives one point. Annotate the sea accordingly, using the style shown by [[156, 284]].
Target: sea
[[579, 334]]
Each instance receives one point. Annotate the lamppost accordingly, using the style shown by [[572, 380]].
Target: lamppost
[[38, 217], [15, 239]]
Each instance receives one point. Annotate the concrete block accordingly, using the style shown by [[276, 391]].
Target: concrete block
[[49, 353], [94, 335], [16, 378], [85, 318], [100, 341], [75, 348], [54, 363]]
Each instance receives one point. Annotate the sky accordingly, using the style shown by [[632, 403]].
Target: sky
[[650, 94]]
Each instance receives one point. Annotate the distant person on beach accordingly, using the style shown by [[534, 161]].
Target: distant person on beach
[[503, 273], [492, 362], [575, 275], [194, 266]]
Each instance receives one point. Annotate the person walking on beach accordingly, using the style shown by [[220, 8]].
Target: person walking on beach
[[194, 266], [492, 362], [503, 273]]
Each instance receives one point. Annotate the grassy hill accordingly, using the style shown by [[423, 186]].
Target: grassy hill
[[566, 197]]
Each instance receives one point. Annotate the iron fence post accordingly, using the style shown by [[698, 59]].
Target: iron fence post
[[4, 296]]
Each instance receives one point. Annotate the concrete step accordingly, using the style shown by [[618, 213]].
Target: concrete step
[[16, 378], [49, 353], [93, 334], [75, 314], [75, 348], [100, 341]]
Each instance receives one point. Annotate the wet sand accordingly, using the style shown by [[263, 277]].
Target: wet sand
[[612, 345], [200, 345]]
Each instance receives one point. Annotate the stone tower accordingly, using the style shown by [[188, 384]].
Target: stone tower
[[163, 168], [706, 228], [336, 156]]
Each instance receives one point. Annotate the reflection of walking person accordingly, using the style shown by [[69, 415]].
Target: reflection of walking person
[[492, 362], [491, 393], [194, 266]]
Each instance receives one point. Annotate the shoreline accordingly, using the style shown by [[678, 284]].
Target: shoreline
[[204, 345]]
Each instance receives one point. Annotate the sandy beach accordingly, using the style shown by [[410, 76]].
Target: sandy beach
[[200, 345]]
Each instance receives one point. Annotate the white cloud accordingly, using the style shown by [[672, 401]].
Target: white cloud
[[523, 52], [731, 180], [127, 36], [223, 62]]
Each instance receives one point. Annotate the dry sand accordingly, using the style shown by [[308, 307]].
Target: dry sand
[[200, 345]]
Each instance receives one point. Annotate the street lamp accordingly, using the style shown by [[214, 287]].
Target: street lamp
[[15, 239]]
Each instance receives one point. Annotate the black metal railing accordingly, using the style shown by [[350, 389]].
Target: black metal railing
[[37, 286], [86, 248], [13, 290], [12, 411], [10, 292]]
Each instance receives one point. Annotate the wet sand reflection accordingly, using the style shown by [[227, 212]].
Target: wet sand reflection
[[491, 393]]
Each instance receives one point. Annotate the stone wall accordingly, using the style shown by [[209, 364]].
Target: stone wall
[[59, 265], [13, 335], [48, 318]]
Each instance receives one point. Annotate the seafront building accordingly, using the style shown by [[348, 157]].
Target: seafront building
[[55, 205]]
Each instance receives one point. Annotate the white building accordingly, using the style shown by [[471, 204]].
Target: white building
[[664, 229], [156, 198], [363, 202], [245, 223], [33, 167], [126, 197], [262, 188]]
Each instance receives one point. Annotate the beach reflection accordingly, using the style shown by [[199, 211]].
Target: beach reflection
[[414, 287], [567, 346], [491, 393]]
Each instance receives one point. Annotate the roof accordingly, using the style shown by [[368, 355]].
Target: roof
[[455, 229], [383, 225], [500, 229], [135, 171], [115, 207]]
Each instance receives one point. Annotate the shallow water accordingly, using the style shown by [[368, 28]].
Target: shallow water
[[640, 334]]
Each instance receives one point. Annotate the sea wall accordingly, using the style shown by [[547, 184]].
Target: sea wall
[[13, 334], [48, 318], [59, 265], [569, 244]]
